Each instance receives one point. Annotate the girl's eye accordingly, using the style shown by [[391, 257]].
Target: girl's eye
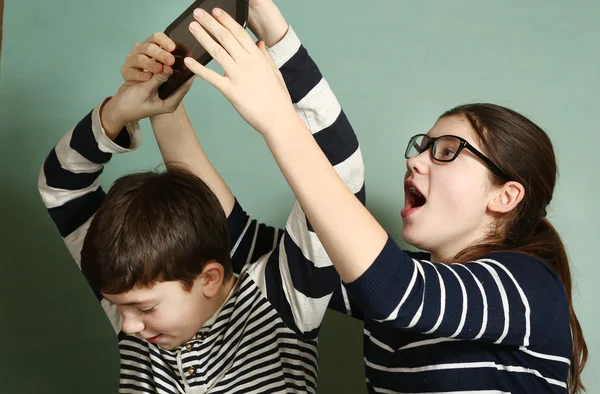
[[448, 152]]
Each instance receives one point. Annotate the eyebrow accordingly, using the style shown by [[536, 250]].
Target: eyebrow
[[139, 303], [134, 303]]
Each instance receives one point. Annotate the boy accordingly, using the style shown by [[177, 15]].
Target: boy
[[156, 249]]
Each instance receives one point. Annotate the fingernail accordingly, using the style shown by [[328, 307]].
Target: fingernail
[[194, 26], [188, 61], [198, 13], [217, 12]]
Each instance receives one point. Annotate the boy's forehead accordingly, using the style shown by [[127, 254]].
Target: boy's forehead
[[144, 295], [133, 297]]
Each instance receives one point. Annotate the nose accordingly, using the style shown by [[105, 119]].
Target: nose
[[131, 324], [420, 163]]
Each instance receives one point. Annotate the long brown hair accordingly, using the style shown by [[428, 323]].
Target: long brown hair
[[525, 153]]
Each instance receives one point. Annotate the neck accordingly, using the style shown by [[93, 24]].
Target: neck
[[227, 287], [224, 293], [450, 250], [446, 255]]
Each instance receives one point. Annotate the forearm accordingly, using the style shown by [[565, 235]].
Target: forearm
[[179, 146], [110, 120], [351, 236], [267, 23]]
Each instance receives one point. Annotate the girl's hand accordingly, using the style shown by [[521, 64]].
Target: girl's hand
[[252, 82]]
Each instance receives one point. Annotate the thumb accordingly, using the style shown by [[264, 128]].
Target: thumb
[[158, 79]]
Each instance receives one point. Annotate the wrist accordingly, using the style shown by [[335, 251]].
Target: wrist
[[285, 129], [267, 23], [111, 119], [167, 115]]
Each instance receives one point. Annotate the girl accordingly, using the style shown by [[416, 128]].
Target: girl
[[488, 309]]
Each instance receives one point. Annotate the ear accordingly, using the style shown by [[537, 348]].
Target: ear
[[212, 278], [506, 197]]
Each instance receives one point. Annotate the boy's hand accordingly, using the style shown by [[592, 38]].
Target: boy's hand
[[148, 58], [146, 68], [139, 100]]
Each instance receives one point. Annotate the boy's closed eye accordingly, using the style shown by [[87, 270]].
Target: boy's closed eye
[[147, 311]]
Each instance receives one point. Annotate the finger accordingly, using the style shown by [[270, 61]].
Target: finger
[[210, 76], [158, 79], [142, 62], [240, 34], [213, 48], [135, 75], [154, 51], [162, 40], [222, 34]]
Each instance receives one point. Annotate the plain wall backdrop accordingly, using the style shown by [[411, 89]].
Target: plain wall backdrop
[[395, 65]]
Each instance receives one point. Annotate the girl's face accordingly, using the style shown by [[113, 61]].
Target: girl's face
[[446, 204]]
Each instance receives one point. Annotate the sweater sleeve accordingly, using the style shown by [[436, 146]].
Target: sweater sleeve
[[505, 298], [291, 266], [343, 303], [69, 183]]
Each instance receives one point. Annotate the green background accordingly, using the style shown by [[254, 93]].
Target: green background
[[395, 66]]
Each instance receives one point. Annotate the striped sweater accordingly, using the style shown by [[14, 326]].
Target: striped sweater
[[264, 337], [496, 325]]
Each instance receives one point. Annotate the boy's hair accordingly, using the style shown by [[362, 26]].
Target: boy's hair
[[155, 227]]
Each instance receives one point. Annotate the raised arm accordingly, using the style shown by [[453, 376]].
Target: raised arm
[[180, 146], [69, 181], [316, 103], [299, 278]]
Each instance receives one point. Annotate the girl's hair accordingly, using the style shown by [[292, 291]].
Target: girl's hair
[[525, 153]]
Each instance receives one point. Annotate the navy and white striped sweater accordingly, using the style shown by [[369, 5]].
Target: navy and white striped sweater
[[496, 325], [264, 338]]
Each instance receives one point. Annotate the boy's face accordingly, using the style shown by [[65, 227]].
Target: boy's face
[[166, 314]]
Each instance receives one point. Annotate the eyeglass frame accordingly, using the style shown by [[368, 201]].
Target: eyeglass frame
[[463, 144]]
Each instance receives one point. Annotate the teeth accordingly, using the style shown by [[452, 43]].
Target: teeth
[[414, 191]]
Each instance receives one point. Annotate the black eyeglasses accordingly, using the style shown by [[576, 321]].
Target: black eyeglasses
[[445, 149]]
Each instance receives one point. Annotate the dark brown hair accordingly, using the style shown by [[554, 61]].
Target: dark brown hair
[[525, 153], [154, 227]]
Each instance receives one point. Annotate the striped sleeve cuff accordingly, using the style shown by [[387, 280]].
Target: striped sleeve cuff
[[107, 145], [392, 269], [285, 49]]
